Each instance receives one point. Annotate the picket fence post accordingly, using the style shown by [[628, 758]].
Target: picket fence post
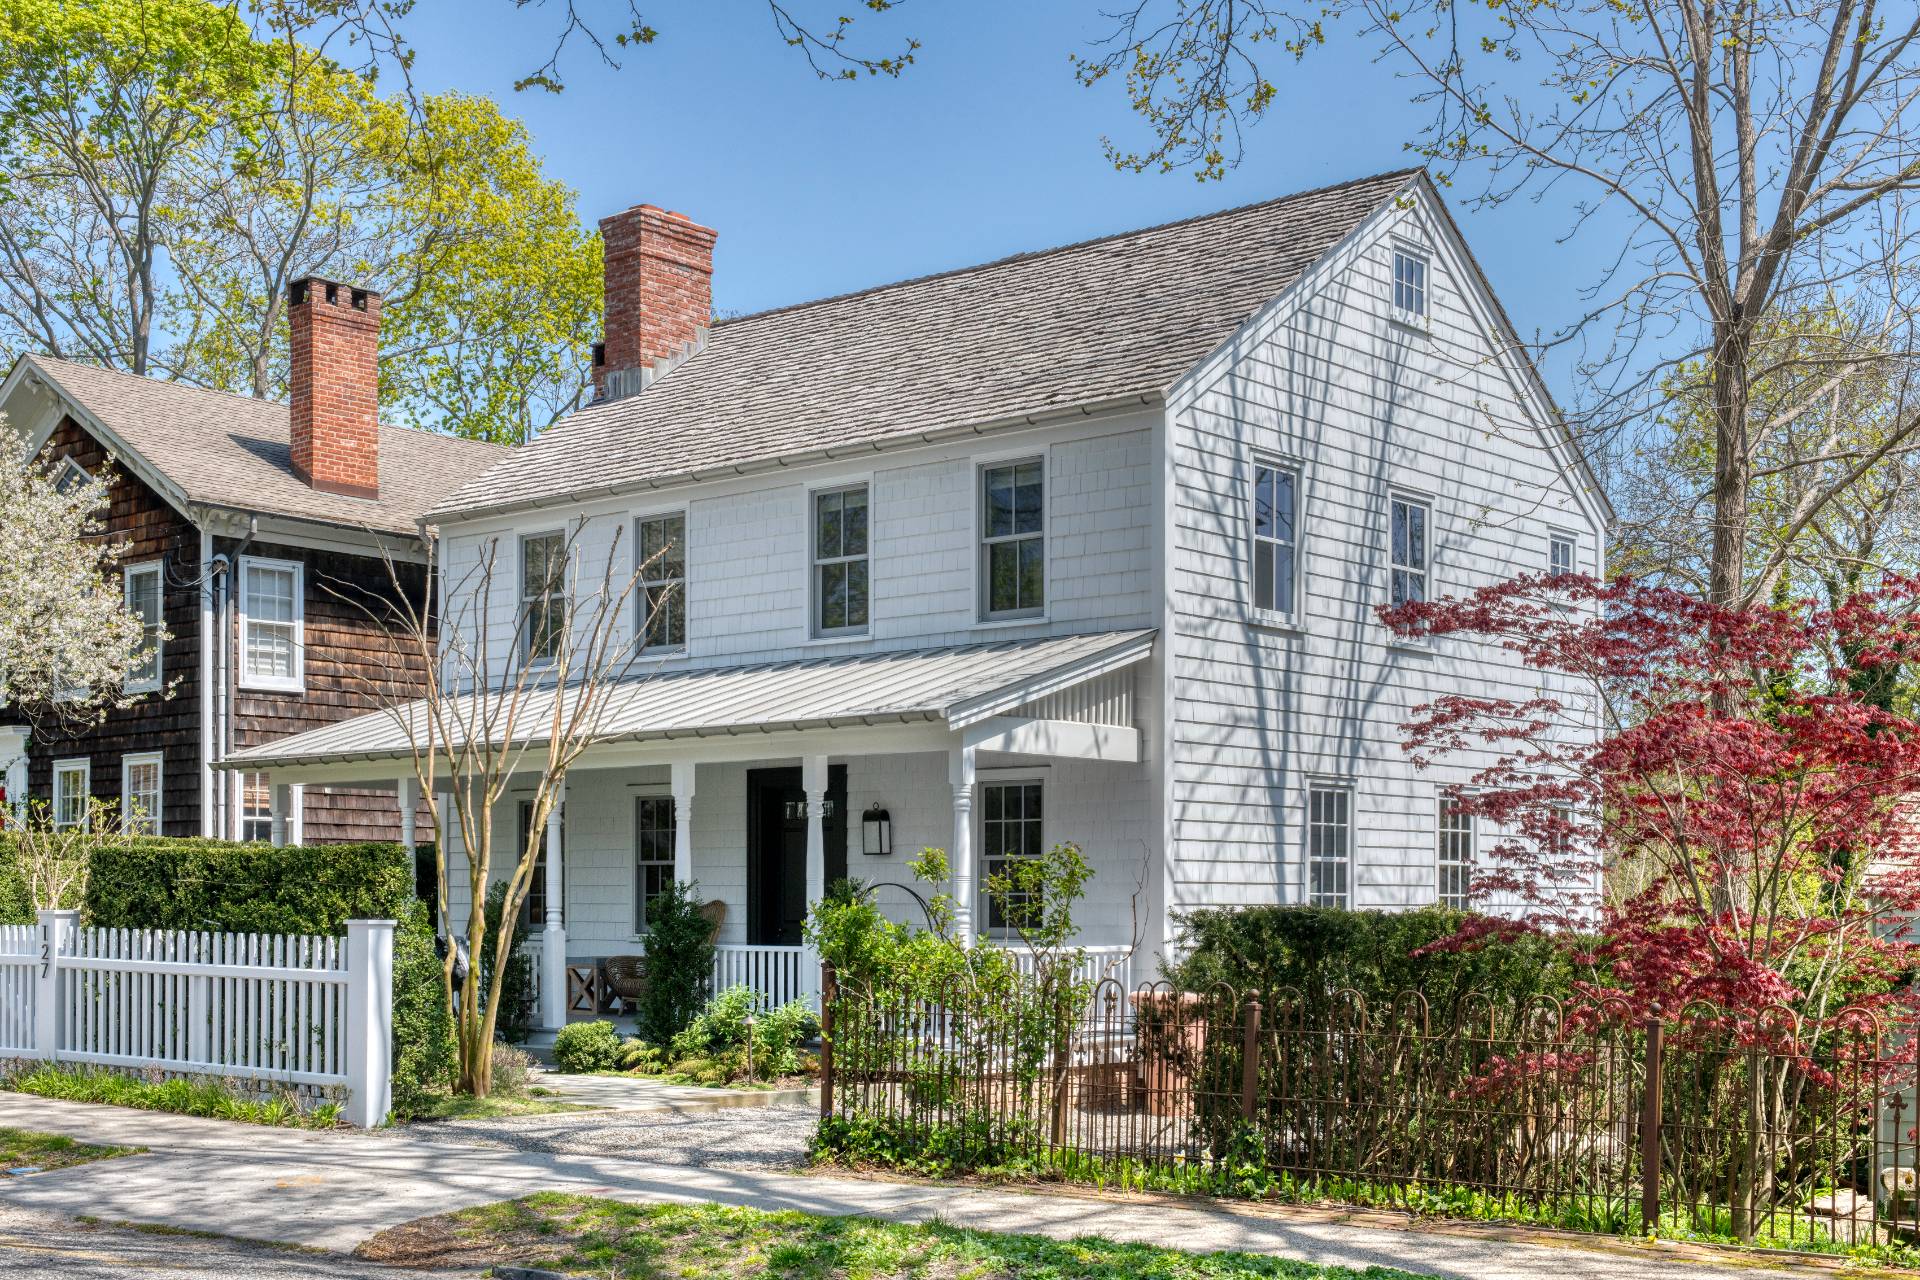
[[369, 1022], [57, 929]]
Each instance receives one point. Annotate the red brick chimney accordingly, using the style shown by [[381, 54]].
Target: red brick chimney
[[659, 295], [334, 380]]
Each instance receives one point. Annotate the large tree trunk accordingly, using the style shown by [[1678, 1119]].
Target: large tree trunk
[[1732, 463]]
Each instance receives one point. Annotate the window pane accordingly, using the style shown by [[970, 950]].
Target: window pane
[[663, 548], [853, 525], [833, 596], [826, 524], [1003, 577], [856, 572], [1263, 595], [999, 520], [1399, 533], [1281, 576], [1417, 537], [1282, 504], [1028, 498], [1033, 573]]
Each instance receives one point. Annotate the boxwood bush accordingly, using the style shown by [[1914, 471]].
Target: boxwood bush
[[165, 883]]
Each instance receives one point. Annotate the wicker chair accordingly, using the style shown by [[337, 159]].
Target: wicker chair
[[626, 976]]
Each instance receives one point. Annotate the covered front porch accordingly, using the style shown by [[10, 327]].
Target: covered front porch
[[756, 784]]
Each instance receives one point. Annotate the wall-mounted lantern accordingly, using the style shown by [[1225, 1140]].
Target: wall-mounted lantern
[[876, 831]]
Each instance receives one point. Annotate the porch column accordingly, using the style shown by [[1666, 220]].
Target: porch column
[[683, 821], [553, 938], [813, 777], [408, 793], [960, 773], [282, 802]]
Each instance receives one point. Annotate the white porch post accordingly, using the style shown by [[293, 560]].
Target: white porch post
[[282, 802], [408, 793], [683, 821], [553, 938], [813, 778], [960, 772]]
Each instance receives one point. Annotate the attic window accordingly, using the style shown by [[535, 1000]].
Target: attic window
[[1409, 286], [72, 478]]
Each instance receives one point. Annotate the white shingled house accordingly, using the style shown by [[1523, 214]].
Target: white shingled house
[[1082, 545]]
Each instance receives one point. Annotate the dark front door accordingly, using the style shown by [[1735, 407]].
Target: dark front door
[[777, 851]]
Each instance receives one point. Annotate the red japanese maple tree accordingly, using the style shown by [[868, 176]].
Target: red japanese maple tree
[[1742, 829]]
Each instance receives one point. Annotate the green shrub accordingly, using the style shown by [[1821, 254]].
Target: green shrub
[[679, 963], [424, 1056], [1320, 950], [637, 1055], [16, 905], [164, 883], [720, 1032], [515, 1017], [581, 1047], [200, 1096]]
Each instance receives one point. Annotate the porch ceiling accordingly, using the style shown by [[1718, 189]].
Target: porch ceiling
[[951, 687]]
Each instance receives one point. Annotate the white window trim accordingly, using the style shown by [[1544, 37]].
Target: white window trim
[[521, 599], [1401, 494], [1418, 320], [141, 570], [71, 470], [1307, 859], [686, 576], [1293, 620], [85, 767], [1439, 863], [297, 683], [814, 563], [127, 765], [983, 904], [977, 499], [1556, 534]]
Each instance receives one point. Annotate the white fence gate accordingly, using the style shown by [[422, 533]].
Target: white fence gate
[[274, 1008]]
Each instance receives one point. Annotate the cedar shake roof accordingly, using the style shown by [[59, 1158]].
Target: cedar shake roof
[[226, 450], [1088, 324]]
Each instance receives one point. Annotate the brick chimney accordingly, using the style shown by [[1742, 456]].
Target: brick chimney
[[659, 296], [334, 381]]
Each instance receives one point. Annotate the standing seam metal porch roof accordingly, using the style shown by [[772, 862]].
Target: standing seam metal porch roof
[[959, 684]]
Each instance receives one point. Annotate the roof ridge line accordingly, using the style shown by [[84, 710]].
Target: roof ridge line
[[1031, 254]]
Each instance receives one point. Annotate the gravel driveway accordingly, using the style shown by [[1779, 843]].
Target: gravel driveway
[[750, 1138]]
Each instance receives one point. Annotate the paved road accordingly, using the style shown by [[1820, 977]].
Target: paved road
[[335, 1189], [34, 1244]]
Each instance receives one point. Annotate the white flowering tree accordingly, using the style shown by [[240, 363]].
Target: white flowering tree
[[67, 638]]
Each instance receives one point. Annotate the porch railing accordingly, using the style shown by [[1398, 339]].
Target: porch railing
[[1097, 964], [780, 974]]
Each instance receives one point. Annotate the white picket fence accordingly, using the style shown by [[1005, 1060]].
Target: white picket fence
[[275, 1008]]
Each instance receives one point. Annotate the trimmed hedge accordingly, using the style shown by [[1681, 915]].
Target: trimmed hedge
[[1320, 950], [164, 883]]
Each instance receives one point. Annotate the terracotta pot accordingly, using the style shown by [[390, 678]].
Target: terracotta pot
[[1172, 1032]]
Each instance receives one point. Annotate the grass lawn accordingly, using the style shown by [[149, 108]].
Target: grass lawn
[[590, 1236], [45, 1152]]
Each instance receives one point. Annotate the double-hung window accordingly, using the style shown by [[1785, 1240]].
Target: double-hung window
[[1409, 523], [840, 568], [543, 596], [1329, 846], [653, 854], [1011, 829], [256, 806], [661, 544], [142, 584], [1276, 538], [1013, 539], [1409, 286], [1454, 854], [72, 788], [272, 622], [140, 794], [533, 910], [1561, 553]]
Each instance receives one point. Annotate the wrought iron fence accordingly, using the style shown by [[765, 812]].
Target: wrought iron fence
[[1762, 1131]]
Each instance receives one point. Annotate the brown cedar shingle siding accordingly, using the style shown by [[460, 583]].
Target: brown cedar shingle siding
[[167, 721], [350, 668]]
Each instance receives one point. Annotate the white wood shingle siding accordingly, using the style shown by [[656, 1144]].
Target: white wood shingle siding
[[1363, 406]]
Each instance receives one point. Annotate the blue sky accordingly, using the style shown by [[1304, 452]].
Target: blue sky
[[985, 147]]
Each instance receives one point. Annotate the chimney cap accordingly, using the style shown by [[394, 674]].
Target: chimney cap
[[358, 297]]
